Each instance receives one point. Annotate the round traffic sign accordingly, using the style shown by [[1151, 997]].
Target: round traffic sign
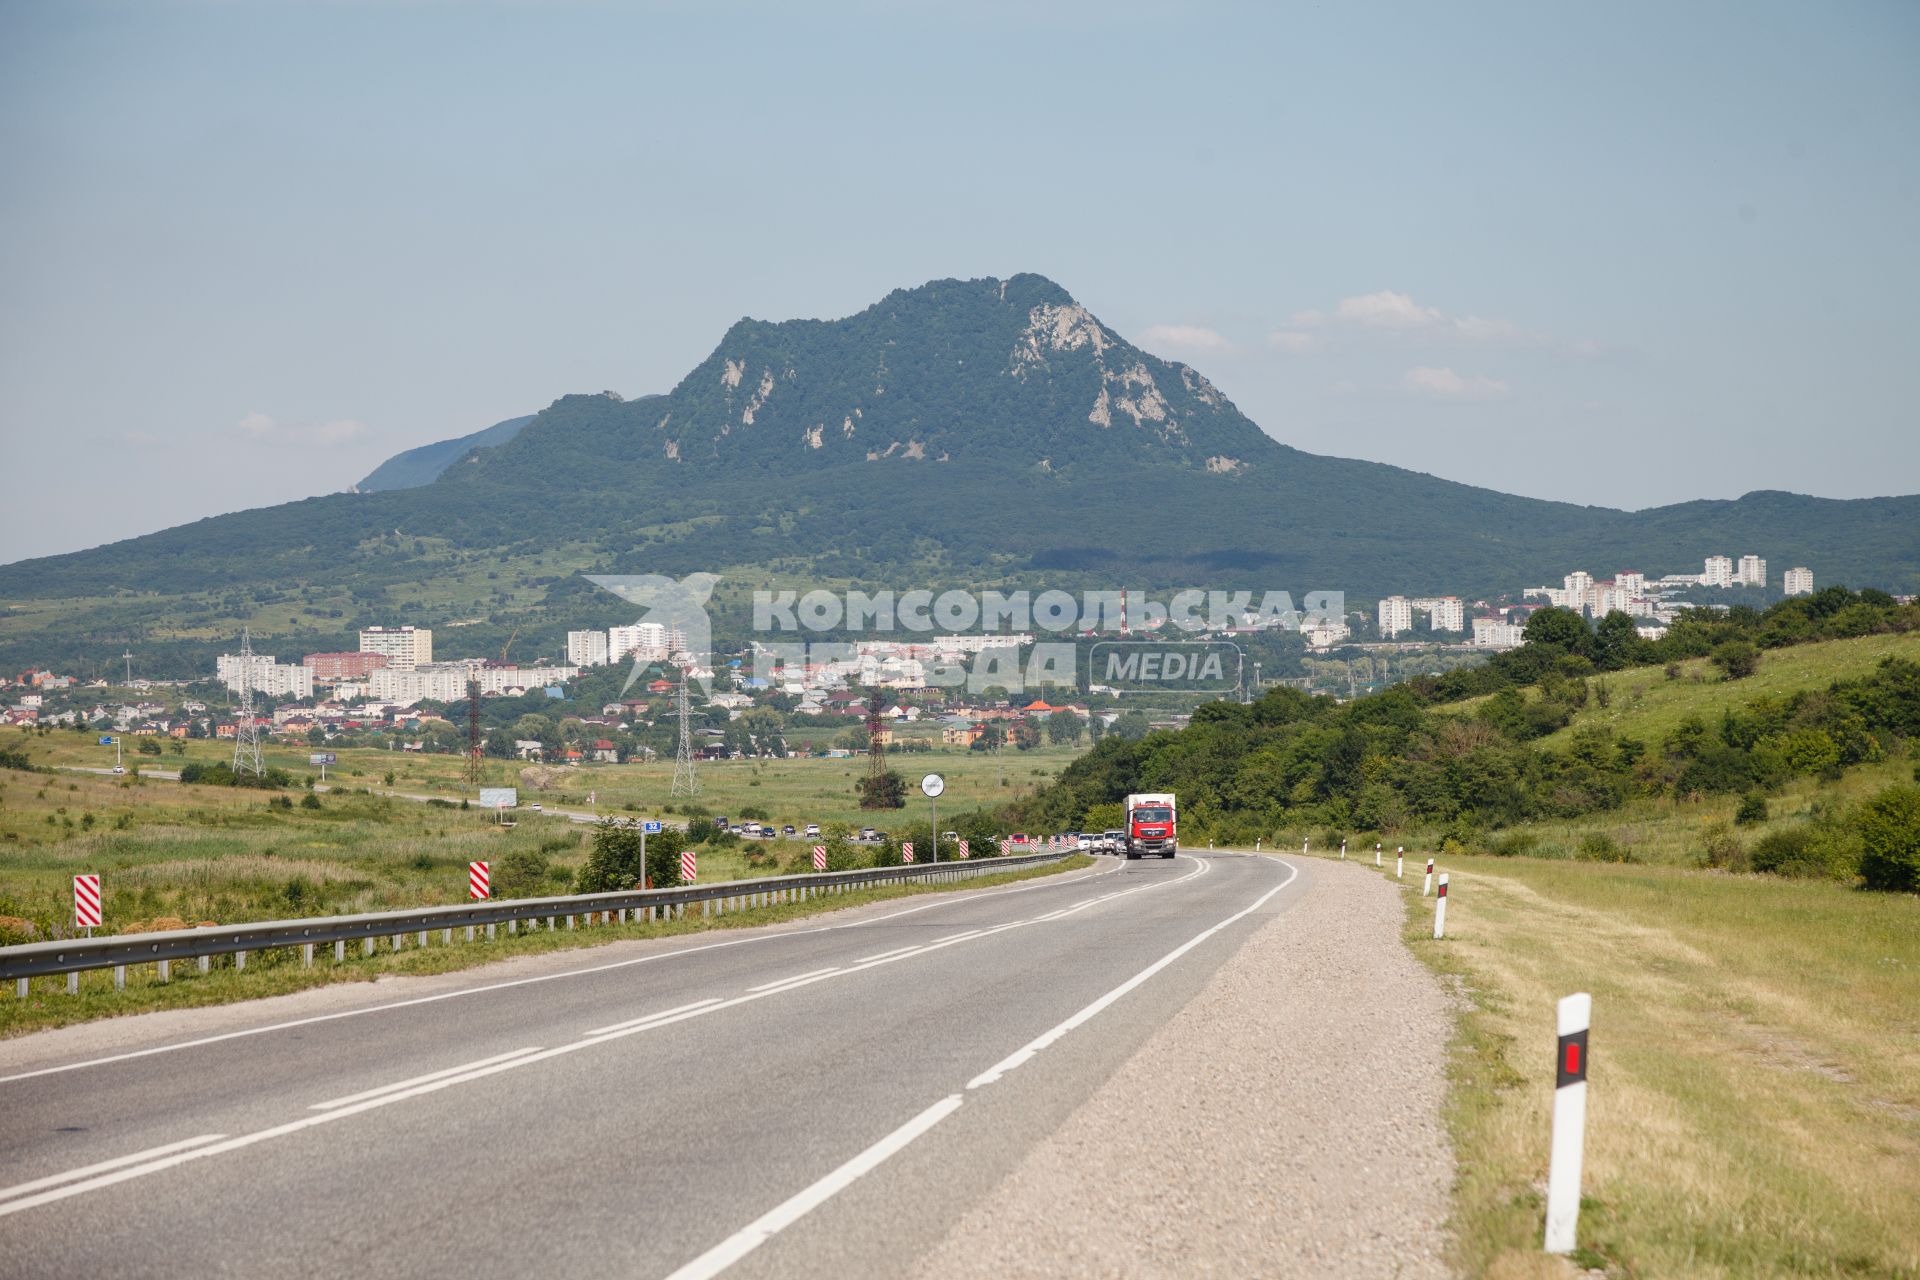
[[933, 784]]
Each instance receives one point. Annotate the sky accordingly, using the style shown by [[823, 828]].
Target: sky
[[1624, 255]]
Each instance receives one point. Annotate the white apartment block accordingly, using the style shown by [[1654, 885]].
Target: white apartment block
[[588, 648], [647, 641], [1718, 572], [1752, 572], [1323, 633], [1798, 582], [405, 647], [1447, 614], [1492, 633], [1396, 616], [1631, 581], [447, 681], [263, 674]]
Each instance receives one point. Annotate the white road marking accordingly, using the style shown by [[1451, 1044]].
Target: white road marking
[[887, 955], [431, 1075], [785, 1214], [798, 977], [1027, 1051], [944, 901], [23, 1188], [653, 1017]]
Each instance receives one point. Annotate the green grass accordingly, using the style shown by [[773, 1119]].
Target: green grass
[[279, 972], [1754, 1106]]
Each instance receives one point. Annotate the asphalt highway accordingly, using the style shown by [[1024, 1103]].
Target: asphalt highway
[[819, 1099]]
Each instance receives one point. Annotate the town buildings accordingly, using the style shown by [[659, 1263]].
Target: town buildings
[[1797, 582], [404, 647]]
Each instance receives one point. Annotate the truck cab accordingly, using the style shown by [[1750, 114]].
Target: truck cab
[[1151, 826]]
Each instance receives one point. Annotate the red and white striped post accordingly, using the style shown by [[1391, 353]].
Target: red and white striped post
[[963, 850], [689, 866], [906, 851], [1440, 909], [1426, 886], [1400, 863], [479, 884], [86, 902], [1569, 1121], [819, 857]]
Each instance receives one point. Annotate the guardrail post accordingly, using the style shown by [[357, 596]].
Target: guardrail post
[[20, 988], [166, 970], [73, 982], [340, 952], [396, 941], [623, 915], [489, 933], [239, 961], [366, 946], [306, 955], [569, 922], [446, 936], [119, 977], [206, 963], [513, 926], [423, 939]]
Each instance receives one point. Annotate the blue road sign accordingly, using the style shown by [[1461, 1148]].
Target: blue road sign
[[106, 741], [651, 828]]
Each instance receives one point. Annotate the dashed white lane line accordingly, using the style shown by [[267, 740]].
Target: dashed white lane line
[[118, 1162], [656, 1016], [431, 1075], [798, 977]]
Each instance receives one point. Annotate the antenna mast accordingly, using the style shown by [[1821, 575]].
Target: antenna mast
[[246, 729]]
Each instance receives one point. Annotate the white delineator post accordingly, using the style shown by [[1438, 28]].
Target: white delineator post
[[1400, 863], [1569, 1122], [1376, 853], [1440, 909], [1343, 851], [1426, 886]]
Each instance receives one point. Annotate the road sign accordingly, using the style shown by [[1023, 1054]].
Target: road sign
[[906, 851], [86, 901], [322, 757], [933, 784], [963, 848], [479, 884], [651, 827], [689, 866], [499, 798], [106, 739], [819, 857]]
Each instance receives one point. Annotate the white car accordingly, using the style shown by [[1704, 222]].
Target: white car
[[813, 831], [119, 768]]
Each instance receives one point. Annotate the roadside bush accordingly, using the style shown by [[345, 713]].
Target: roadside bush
[[1598, 846], [309, 801], [524, 873], [1889, 828], [1722, 850], [1818, 850], [1737, 659], [1515, 844], [1753, 809]]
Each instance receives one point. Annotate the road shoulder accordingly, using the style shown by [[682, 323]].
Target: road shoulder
[[1286, 1123]]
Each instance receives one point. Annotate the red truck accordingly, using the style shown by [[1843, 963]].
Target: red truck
[[1151, 818]]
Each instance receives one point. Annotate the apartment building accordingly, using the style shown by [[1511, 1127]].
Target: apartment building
[[1396, 616], [404, 648], [1797, 582]]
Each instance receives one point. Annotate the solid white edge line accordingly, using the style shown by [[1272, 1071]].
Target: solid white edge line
[[944, 900], [398, 1085], [634, 1023], [85, 1171], [1026, 1052], [780, 1217]]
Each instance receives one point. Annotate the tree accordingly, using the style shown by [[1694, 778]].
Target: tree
[[1737, 659], [1026, 735], [1562, 628], [1064, 727], [1890, 840], [884, 791]]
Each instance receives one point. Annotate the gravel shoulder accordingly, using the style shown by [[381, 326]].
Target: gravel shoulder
[[1286, 1123]]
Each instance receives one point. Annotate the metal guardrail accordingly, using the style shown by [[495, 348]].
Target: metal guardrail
[[75, 955]]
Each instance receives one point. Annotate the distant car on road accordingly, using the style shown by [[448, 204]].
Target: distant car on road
[[1088, 844], [119, 768], [866, 835], [719, 824], [813, 831], [1019, 840], [534, 807], [787, 830], [1113, 841]]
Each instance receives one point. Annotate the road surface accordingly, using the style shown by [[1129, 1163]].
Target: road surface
[[821, 1099]]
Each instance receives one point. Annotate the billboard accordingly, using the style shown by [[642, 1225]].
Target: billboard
[[499, 798], [322, 757]]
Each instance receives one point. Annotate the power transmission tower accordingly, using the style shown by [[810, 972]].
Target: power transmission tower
[[128, 655], [246, 730], [684, 781], [473, 732], [876, 743]]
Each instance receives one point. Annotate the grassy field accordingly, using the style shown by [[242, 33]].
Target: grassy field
[[278, 972], [1754, 1096]]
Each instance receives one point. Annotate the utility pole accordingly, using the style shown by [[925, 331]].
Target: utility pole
[[128, 655], [684, 781], [246, 731]]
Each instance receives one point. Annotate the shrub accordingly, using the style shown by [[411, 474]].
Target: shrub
[[1722, 850], [522, 873], [1889, 828], [1753, 809], [1598, 846], [1514, 844], [1737, 659], [1818, 850], [309, 801]]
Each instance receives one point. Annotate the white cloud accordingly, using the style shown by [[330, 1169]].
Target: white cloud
[[338, 431], [1397, 314], [1190, 337], [1445, 384], [1291, 341]]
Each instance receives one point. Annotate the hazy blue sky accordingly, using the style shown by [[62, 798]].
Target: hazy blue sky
[[1621, 254]]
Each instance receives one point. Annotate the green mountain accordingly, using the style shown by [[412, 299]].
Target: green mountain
[[963, 432], [424, 465]]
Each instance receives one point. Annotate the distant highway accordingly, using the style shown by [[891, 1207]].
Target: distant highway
[[820, 1099]]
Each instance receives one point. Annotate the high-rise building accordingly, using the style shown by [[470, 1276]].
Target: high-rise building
[[1797, 582], [1718, 573], [587, 648], [648, 641], [1497, 633], [276, 680], [1576, 585], [1752, 572], [405, 647], [343, 666], [1631, 581], [1448, 614], [1396, 616]]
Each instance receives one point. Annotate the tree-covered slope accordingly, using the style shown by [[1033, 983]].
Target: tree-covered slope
[[424, 465]]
